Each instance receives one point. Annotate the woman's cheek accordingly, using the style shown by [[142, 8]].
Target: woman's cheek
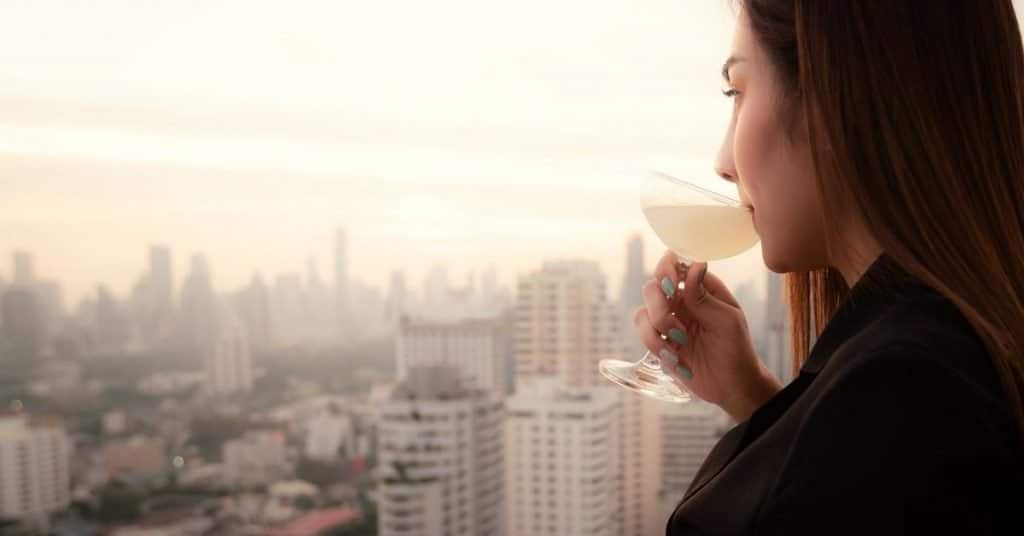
[[746, 153]]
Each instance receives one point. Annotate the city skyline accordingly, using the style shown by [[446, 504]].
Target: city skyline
[[736, 269], [426, 150]]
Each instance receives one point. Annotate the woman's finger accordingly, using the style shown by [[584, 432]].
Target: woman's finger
[[654, 299], [668, 274], [672, 361], [649, 336]]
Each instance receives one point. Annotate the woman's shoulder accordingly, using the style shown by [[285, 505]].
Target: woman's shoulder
[[914, 373], [911, 404], [924, 339], [902, 433]]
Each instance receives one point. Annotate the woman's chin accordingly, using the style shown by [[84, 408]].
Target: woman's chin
[[773, 262]]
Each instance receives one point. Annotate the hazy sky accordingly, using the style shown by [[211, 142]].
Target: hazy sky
[[457, 131]]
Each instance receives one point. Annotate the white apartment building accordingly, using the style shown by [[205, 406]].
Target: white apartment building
[[229, 359], [479, 348], [34, 458], [688, 432], [441, 453], [562, 461], [564, 323]]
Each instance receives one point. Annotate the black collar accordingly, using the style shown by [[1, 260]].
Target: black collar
[[882, 284]]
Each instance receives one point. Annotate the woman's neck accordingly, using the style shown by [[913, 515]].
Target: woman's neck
[[856, 259]]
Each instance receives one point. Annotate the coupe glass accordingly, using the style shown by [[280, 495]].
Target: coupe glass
[[697, 224]]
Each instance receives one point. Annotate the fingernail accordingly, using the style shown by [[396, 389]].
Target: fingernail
[[668, 287], [667, 355], [684, 372], [677, 335]]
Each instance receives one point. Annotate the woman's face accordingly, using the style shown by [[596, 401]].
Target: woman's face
[[773, 174]]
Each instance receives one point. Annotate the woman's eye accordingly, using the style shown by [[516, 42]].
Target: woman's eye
[[730, 92]]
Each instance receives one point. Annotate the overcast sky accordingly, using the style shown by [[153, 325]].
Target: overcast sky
[[457, 131]]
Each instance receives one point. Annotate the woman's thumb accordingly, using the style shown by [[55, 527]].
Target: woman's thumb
[[706, 293]]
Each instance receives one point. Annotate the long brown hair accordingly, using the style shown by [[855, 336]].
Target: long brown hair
[[915, 114]]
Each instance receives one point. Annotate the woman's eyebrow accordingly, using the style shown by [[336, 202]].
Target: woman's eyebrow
[[732, 60]]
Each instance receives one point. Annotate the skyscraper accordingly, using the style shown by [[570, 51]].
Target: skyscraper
[[152, 300], [561, 470], [564, 323], [342, 295], [477, 348], [228, 358], [687, 433], [252, 304], [23, 328], [287, 312], [50, 297], [630, 296], [161, 278], [318, 303], [34, 461], [564, 326], [24, 271], [110, 324], [489, 284], [3, 290], [778, 349], [398, 298], [436, 287], [442, 456], [198, 307]]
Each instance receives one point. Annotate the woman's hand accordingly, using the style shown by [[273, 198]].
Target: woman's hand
[[708, 350]]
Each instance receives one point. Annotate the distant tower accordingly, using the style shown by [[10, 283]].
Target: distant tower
[[161, 278], [342, 299], [253, 306], [24, 272], [778, 352], [630, 296], [23, 328], [198, 313], [435, 288], [397, 299], [489, 284], [228, 358]]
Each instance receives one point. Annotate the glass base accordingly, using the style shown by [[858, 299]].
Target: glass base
[[641, 378]]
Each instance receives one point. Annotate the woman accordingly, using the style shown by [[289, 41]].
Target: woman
[[879, 147]]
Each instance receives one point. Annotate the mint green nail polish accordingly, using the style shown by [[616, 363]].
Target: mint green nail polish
[[668, 287], [667, 355], [677, 335], [684, 372]]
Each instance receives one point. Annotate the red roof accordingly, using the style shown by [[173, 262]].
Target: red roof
[[318, 521]]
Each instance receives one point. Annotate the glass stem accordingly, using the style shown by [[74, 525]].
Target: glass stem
[[650, 360]]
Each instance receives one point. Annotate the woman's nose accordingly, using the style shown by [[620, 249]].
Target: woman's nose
[[726, 174]]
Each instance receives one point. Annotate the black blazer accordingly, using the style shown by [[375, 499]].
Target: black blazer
[[896, 424]]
